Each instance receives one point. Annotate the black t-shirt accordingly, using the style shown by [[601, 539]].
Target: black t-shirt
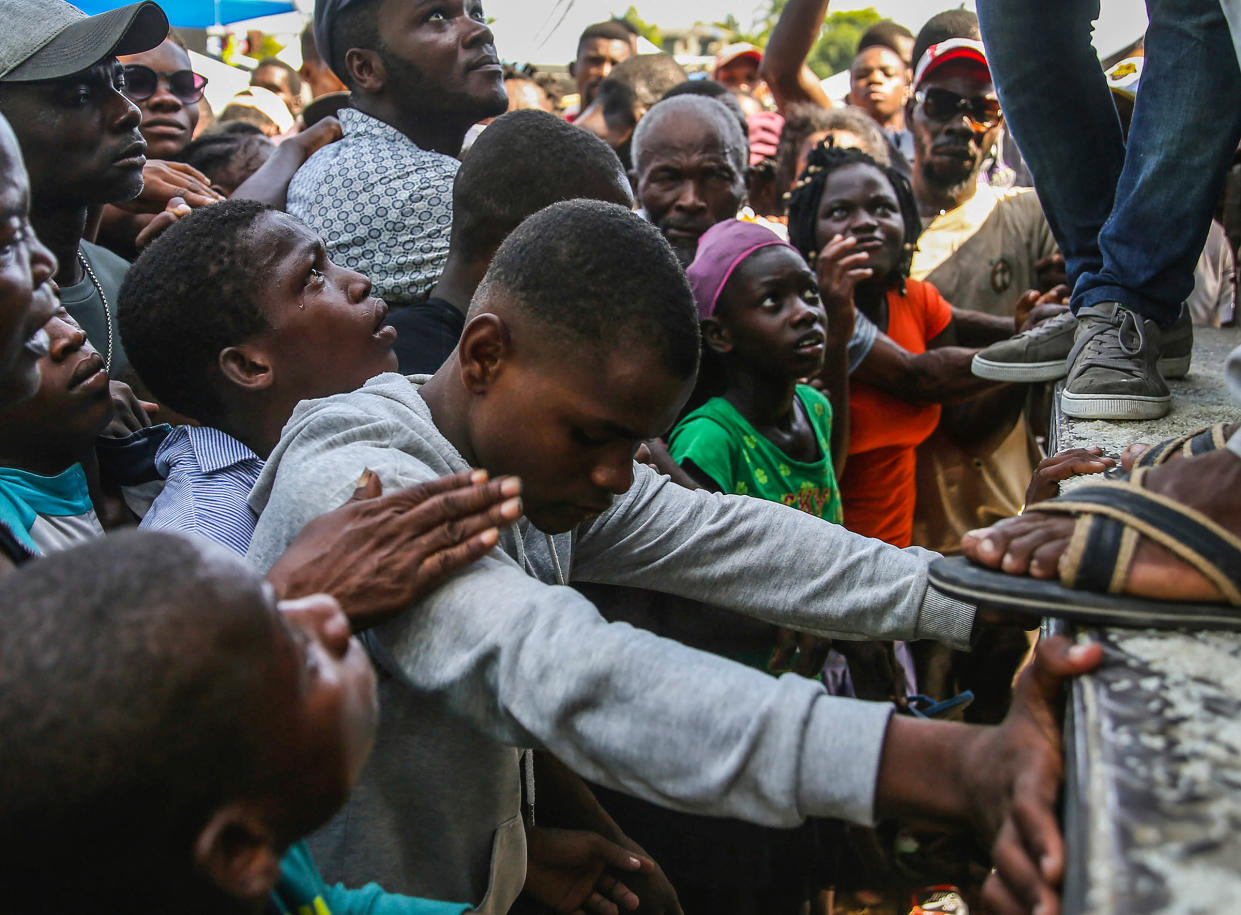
[[427, 333]]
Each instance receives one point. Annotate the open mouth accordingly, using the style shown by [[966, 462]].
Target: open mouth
[[381, 315], [87, 370], [809, 344], [385, 333]]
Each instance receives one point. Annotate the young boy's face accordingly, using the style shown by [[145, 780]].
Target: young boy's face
[[27, 299], [568, 423], [73, 402], [327, 333], [327, 710]]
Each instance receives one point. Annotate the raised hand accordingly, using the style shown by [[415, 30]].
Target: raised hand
[[161, 181], [129, 412], [377, 554], [838, 272]]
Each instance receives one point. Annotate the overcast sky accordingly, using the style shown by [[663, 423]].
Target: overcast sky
[[545, 31]]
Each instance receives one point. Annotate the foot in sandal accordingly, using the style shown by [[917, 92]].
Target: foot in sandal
[[1171, 533]]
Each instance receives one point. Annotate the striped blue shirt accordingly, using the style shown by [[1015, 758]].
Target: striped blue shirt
[[209, 477]]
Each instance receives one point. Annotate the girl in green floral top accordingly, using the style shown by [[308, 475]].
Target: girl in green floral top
[[765, 328]]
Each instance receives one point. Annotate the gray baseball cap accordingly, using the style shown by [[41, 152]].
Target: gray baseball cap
[[48, 39]]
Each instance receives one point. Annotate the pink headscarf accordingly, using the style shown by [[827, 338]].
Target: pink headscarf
[[721, 250]]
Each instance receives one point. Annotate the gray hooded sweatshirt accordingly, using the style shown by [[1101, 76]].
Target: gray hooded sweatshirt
[[504, 655]]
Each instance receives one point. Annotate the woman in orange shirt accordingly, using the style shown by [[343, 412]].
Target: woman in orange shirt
[[861, 216]]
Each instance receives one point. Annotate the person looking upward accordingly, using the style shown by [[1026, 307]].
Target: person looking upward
[[419, 76]]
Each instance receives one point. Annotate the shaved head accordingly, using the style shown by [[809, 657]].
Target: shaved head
[[710, 116]]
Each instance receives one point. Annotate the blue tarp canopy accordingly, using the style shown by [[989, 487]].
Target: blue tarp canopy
[[199, 14]]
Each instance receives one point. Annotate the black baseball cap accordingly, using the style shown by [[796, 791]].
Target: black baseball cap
[[50, 39]]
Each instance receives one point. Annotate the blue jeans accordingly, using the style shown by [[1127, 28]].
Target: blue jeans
[[1130, 223]]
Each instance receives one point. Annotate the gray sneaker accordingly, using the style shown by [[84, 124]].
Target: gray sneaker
[[1176, 346], [1113, 372], [1042, 352], [1038, 354]]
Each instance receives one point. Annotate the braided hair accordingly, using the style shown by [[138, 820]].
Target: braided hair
[[807, 193]]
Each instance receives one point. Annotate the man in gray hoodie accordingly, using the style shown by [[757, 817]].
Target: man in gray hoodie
[[581, 342]]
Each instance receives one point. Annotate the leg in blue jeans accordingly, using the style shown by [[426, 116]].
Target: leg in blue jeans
[[1057, 105], [1131, 226]]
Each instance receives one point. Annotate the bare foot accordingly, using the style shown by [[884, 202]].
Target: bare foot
[[1035, 543]]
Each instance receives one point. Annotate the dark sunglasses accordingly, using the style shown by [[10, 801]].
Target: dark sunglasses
[[142, 82], [940, 105]]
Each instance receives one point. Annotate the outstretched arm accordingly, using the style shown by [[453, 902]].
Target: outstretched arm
[[270, 184], [784, 60], [1003, 781], [937, 376]]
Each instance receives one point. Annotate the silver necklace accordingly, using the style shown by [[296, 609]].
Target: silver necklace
[[107, 311]]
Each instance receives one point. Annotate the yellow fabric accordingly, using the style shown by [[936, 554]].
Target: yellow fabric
[[981, 255]]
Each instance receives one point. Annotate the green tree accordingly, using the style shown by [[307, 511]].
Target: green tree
[[833, 52], [647, 30], [837, 45]]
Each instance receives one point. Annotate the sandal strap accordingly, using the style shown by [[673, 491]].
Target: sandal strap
[[1113, 515], [1191, 444], [1209, 439]]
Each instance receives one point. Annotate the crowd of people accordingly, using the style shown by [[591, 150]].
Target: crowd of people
[[539, 494]]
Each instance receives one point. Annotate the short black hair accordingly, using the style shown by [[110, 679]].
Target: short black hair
[[295, 81], [134, 671], [188, 296], [217, 152], [648, 76], [802, 119], [523, 162], [310, 47], [241, 128], [248, 115], [808, 193], [718, 91], [600, 280], [609, 30], [884, 35], [960, 23], [355, 26]]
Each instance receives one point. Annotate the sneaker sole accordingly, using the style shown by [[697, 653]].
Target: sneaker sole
[[1018, 371], [1169, 367], [1175, 366], [1112, 406]]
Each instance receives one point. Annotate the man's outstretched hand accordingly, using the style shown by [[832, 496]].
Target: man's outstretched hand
[[1017, 771], [376, 554], [1004, 781]]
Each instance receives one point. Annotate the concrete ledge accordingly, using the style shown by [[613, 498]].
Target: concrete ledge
[[1153, 742]]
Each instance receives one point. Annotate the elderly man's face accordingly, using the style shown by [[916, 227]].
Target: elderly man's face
[[687, 180]]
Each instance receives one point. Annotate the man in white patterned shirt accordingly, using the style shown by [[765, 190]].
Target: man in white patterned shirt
[[382, 196]]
